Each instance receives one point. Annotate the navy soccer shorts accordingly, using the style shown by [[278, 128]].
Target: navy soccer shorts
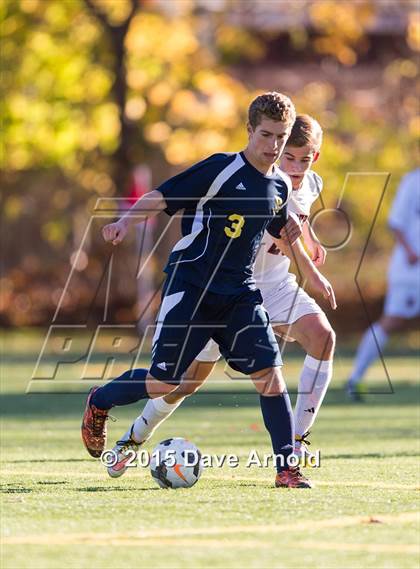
[[189, 317]]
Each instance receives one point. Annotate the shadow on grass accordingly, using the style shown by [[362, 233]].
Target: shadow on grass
[[52, 482], [61, 405], [13, 489], [49, 460], [369, 455], [22, 490], [113, 489]]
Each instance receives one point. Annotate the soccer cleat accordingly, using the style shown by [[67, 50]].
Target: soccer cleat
[[124, 452], [94, 427], [356, 391], [292, 478]]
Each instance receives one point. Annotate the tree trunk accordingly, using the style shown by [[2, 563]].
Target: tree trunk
[[121, 162]]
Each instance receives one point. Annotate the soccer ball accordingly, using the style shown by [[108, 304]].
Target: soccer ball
[[176, 463]]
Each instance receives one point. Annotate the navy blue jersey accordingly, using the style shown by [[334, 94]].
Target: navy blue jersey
[[227, 206]]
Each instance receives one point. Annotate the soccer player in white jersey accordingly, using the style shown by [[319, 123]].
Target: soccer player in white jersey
[[402, 301], [293, 313]]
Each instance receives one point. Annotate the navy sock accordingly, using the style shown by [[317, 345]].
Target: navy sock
[[278, 420], [123, 390]]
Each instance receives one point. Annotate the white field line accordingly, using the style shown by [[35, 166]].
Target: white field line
[[406, 548], [397, 548], [160, 534]]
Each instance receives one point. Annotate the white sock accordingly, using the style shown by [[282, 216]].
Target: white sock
[[313, 384], [154, 413], [370, 348]]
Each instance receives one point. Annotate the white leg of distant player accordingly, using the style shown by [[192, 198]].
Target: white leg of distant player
[[154, 413], [370, 348], [313, 384]]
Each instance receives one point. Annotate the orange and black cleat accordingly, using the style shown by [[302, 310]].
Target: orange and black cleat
[[292, 478], [94, 427]]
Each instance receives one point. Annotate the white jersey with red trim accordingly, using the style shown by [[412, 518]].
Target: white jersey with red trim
[[271, 266]]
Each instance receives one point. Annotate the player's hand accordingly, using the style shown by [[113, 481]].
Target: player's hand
[[115, 232], [318, 253], [323, 287], [291, 231]]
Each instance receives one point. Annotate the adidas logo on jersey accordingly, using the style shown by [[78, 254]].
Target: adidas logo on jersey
[[310, 410], [162, 365], [240, 186]]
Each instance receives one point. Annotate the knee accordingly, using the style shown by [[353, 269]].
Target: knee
[[181, 392], [175, 397], [185, 389], [190, 387], [156, 388], [324, 341], [330, 339], [390, 324], [271, 383]]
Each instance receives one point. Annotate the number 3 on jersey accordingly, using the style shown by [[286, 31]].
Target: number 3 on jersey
[[235, 228]]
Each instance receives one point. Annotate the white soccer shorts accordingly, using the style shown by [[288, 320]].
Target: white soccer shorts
[[285, 304], [402, 300]]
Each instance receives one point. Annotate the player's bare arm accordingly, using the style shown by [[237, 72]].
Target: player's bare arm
[[291, 232], [317, 251], [147, 206], [316, 280]]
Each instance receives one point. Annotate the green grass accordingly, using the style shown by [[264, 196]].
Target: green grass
[[60, 509]]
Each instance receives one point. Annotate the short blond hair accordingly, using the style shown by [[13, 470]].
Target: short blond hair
[[306, 130], [272, 105]]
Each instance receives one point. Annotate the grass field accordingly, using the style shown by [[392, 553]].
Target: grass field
[[60, 509]]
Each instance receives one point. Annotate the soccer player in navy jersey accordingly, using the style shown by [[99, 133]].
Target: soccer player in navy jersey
[[293, 314], [228, 200]]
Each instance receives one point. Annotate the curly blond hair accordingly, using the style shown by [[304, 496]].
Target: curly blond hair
[[272, 105]]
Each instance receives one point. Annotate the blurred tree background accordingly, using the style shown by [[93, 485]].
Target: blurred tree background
[[92, 88]]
